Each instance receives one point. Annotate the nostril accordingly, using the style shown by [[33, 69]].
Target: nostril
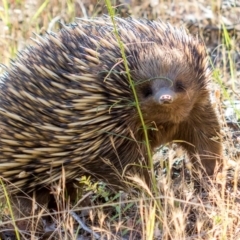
[[165, 99]]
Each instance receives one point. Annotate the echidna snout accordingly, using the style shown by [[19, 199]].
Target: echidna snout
[[165, 96]]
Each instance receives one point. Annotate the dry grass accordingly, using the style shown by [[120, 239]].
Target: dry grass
[[180, 210]]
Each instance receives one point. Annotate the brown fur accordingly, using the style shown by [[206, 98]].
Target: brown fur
[[66, 103]]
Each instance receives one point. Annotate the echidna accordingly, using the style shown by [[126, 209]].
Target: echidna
[[67, 102]]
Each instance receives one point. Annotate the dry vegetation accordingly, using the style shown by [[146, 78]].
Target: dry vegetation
[[180, 209]]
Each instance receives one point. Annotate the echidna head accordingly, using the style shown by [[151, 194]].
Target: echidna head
[[170, 81]]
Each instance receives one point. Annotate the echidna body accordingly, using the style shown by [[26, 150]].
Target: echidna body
[[67, 102]]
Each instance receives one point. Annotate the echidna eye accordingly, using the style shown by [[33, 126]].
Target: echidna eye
[[147, 92], [179, 86]]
